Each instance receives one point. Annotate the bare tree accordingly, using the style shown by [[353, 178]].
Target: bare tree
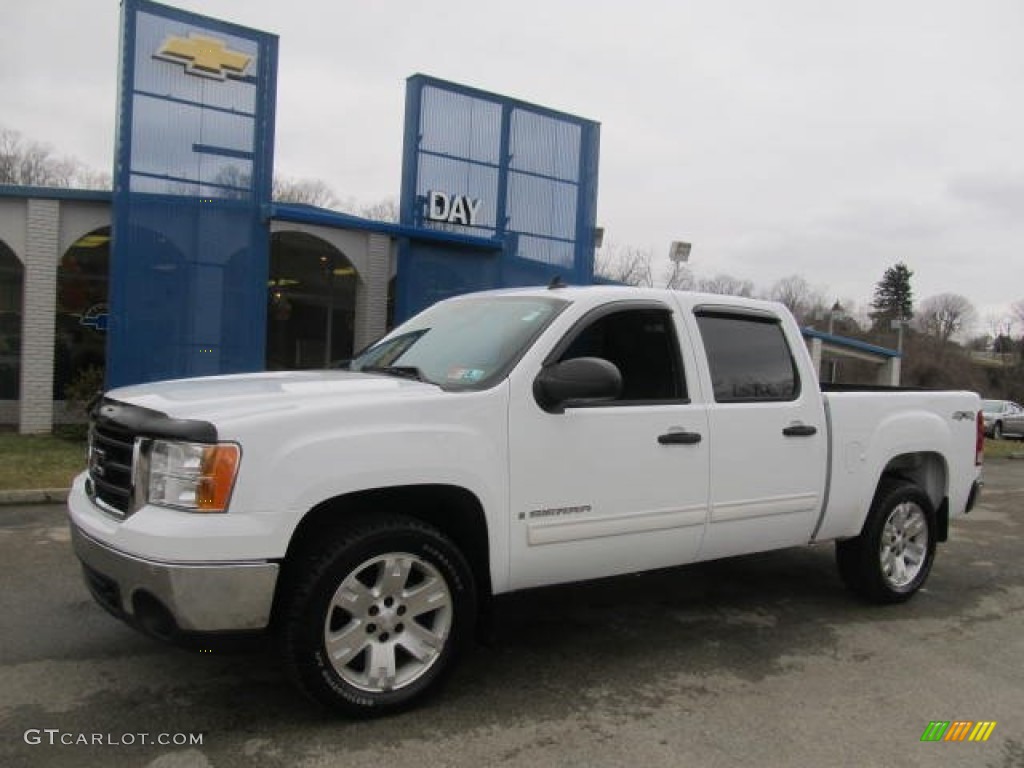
[[726, 285], [385, 209], [999, 326], [999, 334], [679, 277], [627, 265], [33, 164], [305, 191], [635, 266], [1017, 308], [87, 178], [798, 296], [945, 315]]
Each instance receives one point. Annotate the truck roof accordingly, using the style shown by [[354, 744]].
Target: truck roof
[[598, 294]]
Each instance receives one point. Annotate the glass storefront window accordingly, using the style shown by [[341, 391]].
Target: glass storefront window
[[311, 300], [81, 334], [11, 278]]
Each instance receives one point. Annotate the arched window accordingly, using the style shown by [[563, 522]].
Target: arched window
[[11, 278], [311, 303], [81, 334]]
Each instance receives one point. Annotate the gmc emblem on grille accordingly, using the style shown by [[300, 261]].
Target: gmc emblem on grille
[[96, 462]]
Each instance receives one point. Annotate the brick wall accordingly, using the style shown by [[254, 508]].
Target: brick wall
[[39, 316], [372, 293]]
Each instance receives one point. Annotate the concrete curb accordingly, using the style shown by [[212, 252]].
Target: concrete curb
[[39, 496]]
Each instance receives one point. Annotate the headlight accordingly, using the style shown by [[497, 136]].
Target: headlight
[[191, 476]]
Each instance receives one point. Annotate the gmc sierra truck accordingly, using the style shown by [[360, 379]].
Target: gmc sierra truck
[[498, 442]]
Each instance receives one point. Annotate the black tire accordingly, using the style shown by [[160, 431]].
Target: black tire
[[892, 557], [997, 431], [386, 590]]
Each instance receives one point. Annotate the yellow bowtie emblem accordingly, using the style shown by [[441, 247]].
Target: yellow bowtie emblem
[[204, 56]]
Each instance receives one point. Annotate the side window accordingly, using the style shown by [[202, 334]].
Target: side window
[[642, 344], [749, 358]]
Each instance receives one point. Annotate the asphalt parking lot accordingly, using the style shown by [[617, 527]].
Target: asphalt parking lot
[[762, 660]]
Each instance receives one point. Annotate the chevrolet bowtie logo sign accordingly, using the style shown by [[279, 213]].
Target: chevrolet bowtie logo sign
[[204, 56]]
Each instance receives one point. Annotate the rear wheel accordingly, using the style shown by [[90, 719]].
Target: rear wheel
[[376, 620], [893, 555]]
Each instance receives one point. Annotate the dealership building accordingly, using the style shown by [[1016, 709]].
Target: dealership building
[[188, 268], [327, 293]]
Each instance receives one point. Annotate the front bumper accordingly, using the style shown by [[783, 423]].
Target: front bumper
[[167, 599]]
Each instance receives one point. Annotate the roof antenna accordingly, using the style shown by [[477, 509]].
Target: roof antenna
[[556, 282]]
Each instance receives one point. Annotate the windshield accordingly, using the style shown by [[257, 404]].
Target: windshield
[[462, 344], [991, 406]]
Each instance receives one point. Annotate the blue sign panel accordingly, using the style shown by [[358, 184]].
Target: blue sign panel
[[194, 164], [476, 163]]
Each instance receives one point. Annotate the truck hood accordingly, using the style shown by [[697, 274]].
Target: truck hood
[[222, 399]]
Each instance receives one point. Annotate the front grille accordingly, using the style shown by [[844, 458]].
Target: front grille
[[110, 466]]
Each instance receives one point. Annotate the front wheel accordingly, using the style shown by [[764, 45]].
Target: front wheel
[[997, 431], [374, 621], [893, 555]]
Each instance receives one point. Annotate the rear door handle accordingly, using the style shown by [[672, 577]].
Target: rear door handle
[[679, 438], [800, 430]]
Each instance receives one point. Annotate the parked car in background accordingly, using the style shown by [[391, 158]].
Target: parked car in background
[[1003, 418]]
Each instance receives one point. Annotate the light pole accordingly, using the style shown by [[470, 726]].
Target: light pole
[[897, 325], [678, 254], [836, 313]]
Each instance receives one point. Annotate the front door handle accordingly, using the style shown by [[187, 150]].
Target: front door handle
[[679, 438], [800, 430]]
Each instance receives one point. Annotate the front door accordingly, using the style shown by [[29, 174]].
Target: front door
[[615, 487]]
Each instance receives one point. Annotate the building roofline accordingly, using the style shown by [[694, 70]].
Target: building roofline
[[55, 193], [294, 212], [308, 214]]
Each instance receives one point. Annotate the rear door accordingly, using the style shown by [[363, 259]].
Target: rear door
[[768, 433]]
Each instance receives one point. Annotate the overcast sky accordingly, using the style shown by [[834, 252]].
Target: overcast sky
[[814, 137]]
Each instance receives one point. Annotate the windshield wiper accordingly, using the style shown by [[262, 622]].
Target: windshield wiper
[[403, 371]]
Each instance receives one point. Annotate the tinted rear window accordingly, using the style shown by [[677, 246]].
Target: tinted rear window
[[749, 358]]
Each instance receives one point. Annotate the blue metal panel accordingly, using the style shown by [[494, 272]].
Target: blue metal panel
[[542, 207], [532, 172], [190, 248], [545, 145], [460, 125]]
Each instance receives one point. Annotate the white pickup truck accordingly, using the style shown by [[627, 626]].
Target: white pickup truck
[[497, 442]]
